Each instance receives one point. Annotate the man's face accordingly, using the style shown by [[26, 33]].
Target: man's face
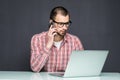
[[61, 24]]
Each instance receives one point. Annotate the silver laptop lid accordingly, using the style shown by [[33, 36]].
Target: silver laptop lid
[[86, 63]]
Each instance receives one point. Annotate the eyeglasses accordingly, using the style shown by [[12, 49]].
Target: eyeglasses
[[61, 24]]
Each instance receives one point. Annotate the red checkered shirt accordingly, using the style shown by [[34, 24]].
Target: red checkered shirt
[[52, 60]]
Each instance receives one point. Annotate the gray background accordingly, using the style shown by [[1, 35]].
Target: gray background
[[95, 22]]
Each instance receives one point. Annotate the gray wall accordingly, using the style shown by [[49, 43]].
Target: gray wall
[[95, 22]]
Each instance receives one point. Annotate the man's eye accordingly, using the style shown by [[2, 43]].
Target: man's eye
[[60, 23]]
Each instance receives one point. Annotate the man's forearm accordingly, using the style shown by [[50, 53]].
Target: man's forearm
[[38, 61]]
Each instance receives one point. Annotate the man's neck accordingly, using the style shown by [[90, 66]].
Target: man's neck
[[58, 38]]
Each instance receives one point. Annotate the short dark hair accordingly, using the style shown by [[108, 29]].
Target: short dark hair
[[58, 9]]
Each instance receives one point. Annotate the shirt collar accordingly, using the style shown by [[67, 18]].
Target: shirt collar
[[66, 38]]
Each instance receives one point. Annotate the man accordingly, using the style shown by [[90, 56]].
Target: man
[[50, 50]]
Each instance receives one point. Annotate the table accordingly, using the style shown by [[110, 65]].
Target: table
[[27, 75]]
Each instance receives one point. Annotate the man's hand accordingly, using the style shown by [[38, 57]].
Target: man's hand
[[50, 36]]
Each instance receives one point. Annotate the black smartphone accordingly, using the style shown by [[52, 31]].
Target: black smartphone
[[50, 24]]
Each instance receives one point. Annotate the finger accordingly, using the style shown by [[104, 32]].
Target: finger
[[51, 27], [52, 30], [54, 33]]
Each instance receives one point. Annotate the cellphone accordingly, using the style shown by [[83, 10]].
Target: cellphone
[[50, 24]]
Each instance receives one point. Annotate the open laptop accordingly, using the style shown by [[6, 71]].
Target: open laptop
[[84, 63]]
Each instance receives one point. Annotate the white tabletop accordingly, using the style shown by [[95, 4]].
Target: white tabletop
[[25, 75]]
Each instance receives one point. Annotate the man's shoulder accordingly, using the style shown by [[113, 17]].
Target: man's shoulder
[[68, 35], [42, 34]]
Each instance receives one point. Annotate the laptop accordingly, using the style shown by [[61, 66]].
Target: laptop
[[84, 63]]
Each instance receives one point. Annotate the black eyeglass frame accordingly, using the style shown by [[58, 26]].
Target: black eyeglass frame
[[61, 24]]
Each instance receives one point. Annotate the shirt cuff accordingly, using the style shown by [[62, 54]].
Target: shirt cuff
[[47, 50]]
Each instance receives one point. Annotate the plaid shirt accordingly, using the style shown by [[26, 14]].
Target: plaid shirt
[[52, 60]]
